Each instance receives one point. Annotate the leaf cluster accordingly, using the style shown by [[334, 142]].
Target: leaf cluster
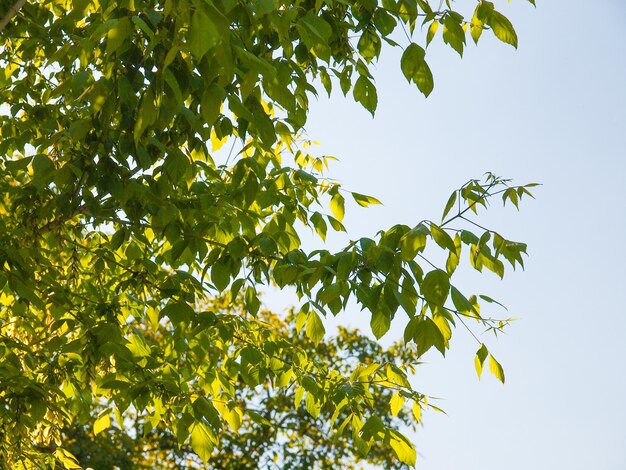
[[134, 243]]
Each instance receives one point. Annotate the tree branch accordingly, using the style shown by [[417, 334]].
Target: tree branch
[[11, 13]]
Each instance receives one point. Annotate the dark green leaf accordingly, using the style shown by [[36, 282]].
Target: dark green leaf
[[435, 287], [365, 93], [416, 69], [203, 34]]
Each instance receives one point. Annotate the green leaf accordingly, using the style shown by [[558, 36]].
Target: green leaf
[[415, 68], [319, 224], [79, 129], [454, 256], [220, 275], [426, 335], [461, 303], [435, 287], [492, 301], [210, 105], [230, 414], [373, 427], [502, 28], [202, 440], [432, 30], [449, 205], [363, 200], [413, 242], [147, 114], [369, 45], [442, 238], [453, 34], [476, 25], [312, 405], [402, 447], [177, 312], [314, 327], [443, 324], [42, 167], [335, 224], [318, 27], [203, 408], [252, 301], [479, 360], [67, 459], [137, 346], [203, 34], [496, 369], [118, 35], [380, 323], [365, 93]]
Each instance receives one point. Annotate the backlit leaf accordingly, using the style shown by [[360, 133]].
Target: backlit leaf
[[363, 200], [496, 369], [315, 327], [396, 403], [402, 447], [202, 440], [502, 28], [416, 69], [479, 360], [102, 423], [337, 206]]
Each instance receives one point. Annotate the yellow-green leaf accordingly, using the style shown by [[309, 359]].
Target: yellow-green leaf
[[496, 369], [202, 440], [363, 200], [102, 423], [314, 327], [337, 206], [417, 411], [67, 459], [432, 30], [479, 360], [413, 242], [312, 405], [442, 238], [502, 28], [395, 404], [402, 447]]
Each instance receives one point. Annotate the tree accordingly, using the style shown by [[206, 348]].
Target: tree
[[272, 434], [133, 244]]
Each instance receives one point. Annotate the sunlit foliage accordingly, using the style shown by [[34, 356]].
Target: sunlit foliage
[[153, 177]]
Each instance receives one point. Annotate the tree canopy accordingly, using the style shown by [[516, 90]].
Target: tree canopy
[[154, 177]]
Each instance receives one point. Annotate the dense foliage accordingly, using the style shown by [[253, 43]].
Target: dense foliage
[[132, 248]]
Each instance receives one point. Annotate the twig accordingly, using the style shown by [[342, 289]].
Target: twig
[[11, 13]]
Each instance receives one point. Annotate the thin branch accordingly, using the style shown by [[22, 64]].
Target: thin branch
[[11, 13]]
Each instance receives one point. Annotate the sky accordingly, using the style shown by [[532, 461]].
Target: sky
[[552, 112]]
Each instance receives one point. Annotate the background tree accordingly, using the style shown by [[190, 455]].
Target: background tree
[[273, 434], [122, 221]]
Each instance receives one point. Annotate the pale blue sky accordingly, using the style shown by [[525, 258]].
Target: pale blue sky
[[554, 112]]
